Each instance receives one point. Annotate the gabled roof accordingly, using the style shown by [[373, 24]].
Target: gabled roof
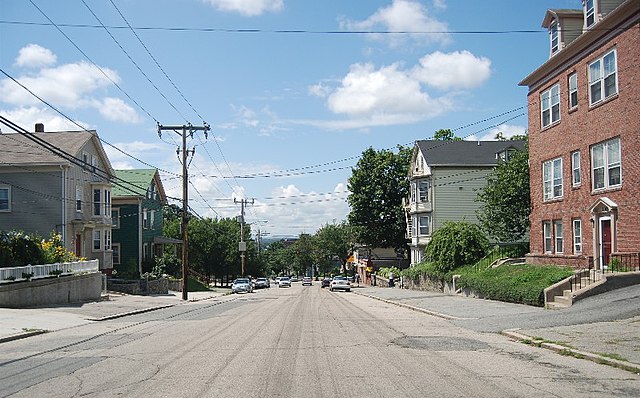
[[19, 150], [464, 153], [560, 13], [135, 182]]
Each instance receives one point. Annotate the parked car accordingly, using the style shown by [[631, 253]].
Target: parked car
[[306, 281], [340, 283], [261, 283], [284, 281], [242, 285], [294, 279], [325, 282]]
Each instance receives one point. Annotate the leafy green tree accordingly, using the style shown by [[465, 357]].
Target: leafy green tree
[[331, 241], [456, 244], [378, 184], [445, 135], [275, 258], [506, 203]]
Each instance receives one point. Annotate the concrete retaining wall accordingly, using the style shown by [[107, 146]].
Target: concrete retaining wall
[[47, 291], [139, 286]]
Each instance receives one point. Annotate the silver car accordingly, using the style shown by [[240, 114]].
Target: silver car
[[284, 282], [242, 285]]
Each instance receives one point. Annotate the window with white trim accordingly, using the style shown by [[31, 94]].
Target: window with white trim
[[552, 179], [145, 219], [424, 222], [606, 166], [423, 191], [576, 178], [603, 78], [573, 90], [96, 202], [557, 230], [550, 105], [590, 13], [116, 253], [97, 240], [553, 36], [79, 195], [577, 236], [5, 198], [107, 239], [107, 202], [115, 218], [546, 232]]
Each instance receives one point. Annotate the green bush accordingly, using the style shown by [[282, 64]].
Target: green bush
[[519, 283], [456, 244], [18, 249]]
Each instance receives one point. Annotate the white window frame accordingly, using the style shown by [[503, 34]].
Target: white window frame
[[577, 235], [97, 240], [423, 190], [572, 84], [601, 72], [576, 175], [558, 237], [590, 13], [85, 161], [152, 217], [547, 238], [552, 179], [424, 225], [79, 197], [7, 189], [608, 163], [145, 219], [117, 255], [145, 251], [97, 205], [107, 202], [115, 220], [554, 36], [107, 239], [550, 102]]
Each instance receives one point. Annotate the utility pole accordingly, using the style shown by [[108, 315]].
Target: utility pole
[[242, 246], [185, 130]]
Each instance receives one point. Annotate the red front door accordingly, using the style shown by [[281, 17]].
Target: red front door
[[605, 233]]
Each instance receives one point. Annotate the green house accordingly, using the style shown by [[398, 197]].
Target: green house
[[137, 201]]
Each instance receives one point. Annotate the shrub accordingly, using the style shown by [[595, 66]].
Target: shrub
[[456, 244], [53, 250]]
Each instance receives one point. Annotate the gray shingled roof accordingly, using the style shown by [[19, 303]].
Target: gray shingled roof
[[464, 153], [19, 150]]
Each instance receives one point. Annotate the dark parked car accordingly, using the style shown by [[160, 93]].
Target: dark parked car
[[261, 283], [325, 282]]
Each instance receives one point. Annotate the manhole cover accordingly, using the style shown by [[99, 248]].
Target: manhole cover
[[439, 343]]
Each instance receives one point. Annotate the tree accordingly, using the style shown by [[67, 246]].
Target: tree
[[378, 183], [456, 244], [506, 204], [331, 241], [445, 135]]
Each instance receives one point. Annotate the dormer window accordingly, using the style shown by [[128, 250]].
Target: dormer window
[[590, 13], [555, 42]]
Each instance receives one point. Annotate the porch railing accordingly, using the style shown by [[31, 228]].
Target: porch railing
[[46, 270], [618, 262]]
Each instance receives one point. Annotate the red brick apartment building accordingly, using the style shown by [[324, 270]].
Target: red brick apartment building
[[584, 137]]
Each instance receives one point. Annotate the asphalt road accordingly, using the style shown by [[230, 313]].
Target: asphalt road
[[296, 342]]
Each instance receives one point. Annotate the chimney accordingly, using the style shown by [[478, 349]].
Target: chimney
[[39, 127]]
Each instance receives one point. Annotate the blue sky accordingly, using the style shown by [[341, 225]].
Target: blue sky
[[293, 90]]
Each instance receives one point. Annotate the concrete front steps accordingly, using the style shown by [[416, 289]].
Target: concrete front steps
[[561, 295]]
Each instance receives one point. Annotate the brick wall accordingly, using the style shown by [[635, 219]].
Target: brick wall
[[579, 129]]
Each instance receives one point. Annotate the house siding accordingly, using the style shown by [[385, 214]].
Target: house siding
[[455, 192], [580, 129], [127, 236], [34, 210]]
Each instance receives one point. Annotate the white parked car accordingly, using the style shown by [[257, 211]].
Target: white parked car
[[340, 283], [284, 282], [242, 285]]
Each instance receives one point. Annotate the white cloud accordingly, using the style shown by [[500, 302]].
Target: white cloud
[[440, 4], [507, 130], [248, 8], [35, 56], [28, 116], [455, 70], [319, 90], [403, 16], [117, 110]]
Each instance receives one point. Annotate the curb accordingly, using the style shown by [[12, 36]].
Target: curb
[[19, 336], [567, 351], [134, 312], [411, 307]]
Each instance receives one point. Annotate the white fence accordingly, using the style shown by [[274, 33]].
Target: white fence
[[42, 271]]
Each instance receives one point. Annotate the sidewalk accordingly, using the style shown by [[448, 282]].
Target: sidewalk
[[21, 323], [570, 331]]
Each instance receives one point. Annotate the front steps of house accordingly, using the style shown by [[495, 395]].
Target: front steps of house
[[568, 295]]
